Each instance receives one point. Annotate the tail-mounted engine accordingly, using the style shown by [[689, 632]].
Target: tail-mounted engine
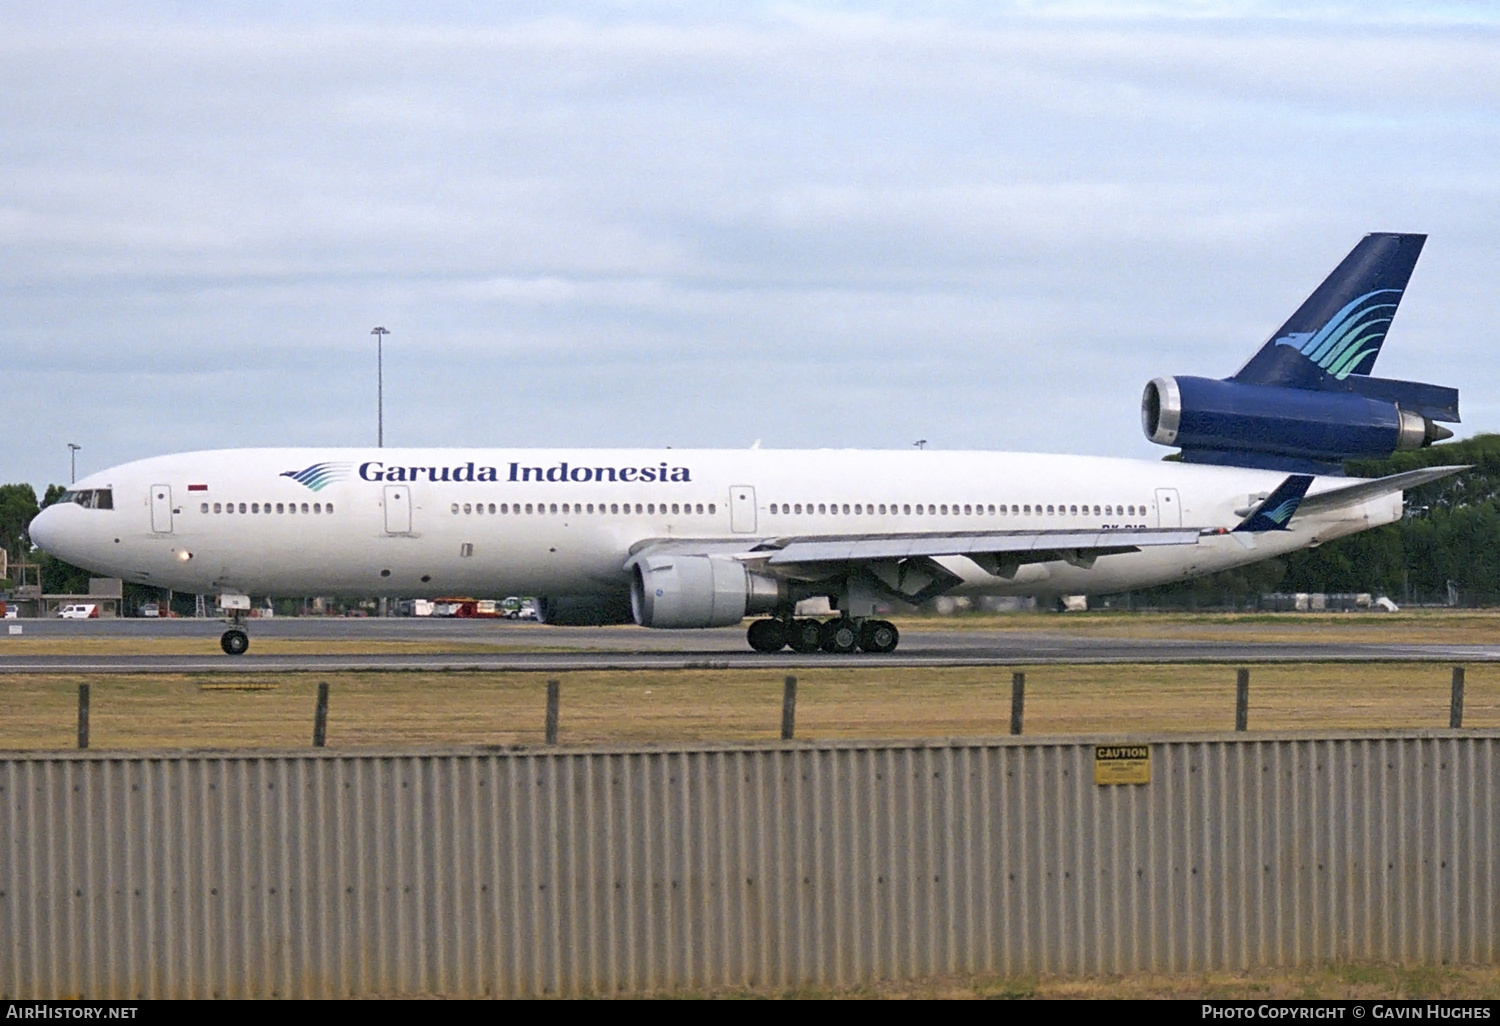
[[1305, 401], [1216, 421]]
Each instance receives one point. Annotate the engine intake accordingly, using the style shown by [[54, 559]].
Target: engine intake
[[700, 591], [1204, 417]]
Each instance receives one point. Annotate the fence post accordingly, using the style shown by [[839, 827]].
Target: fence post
[[320, 716], [83, 716], [1242, 699], [1017, 701], [553, 689], [1456, 703], [788, 708]]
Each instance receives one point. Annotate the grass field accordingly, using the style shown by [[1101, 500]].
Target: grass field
[[1359, 982], [381, 709]]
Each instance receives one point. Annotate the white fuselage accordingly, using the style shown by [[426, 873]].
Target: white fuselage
[[434, 522]]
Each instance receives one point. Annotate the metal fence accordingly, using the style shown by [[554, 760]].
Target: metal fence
[[578, 872]]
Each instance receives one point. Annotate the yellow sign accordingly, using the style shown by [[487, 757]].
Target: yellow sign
[[1122, 764]]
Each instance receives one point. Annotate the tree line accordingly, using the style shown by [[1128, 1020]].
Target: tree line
[[1451, 533]]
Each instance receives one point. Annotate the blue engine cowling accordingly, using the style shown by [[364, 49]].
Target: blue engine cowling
[[1234, 422]]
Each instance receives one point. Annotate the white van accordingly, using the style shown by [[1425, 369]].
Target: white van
[[81, 611]]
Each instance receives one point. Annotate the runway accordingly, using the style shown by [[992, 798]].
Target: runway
[[500, 646]]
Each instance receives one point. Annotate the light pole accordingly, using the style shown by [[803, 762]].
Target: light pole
[[380, 334], [73, 462]]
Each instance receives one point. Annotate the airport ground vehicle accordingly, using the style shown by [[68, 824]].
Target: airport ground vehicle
[[79, 611]]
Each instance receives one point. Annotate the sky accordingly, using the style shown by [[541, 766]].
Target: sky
[[834, 225]]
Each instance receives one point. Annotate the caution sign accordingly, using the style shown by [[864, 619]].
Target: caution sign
[[1122, 764]]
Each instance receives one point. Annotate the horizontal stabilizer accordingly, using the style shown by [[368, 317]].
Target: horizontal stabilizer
[[1348, 495], [1435, 402], [1278, 507]]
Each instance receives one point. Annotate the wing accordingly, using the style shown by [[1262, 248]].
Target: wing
[[1350, 494], [905, 566]]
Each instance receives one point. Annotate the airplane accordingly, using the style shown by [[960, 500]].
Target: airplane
[[684, 539]]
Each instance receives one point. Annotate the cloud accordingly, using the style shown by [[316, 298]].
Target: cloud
[[820, 225]]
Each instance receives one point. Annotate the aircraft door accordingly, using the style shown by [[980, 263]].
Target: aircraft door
[[397, 509], [1168, 508], [742, 508], [161, 508]]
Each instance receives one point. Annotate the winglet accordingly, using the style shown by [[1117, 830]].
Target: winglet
[[1274, 513]]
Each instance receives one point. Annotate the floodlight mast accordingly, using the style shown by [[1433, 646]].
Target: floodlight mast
[[380, 334]]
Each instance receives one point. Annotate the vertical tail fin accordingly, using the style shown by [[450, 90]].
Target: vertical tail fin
[[1339, 329]]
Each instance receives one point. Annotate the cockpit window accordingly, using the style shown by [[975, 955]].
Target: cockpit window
[[91, 498]]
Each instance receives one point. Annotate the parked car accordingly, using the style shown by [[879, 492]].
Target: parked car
[[150, 609], [80, 611]]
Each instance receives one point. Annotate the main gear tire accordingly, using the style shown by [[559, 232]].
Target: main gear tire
[[234, 642], [840, 636], [766, 636], [804, 635], [879, 637]]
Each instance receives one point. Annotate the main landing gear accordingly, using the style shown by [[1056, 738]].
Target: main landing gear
[[843, 635]]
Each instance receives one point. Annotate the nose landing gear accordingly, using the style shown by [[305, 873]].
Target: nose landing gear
[[234, 641]]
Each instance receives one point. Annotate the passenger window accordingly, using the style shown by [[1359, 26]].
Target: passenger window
[[280, 508], [328, 508], [317, 507], [797, 508], [882, 509], [700, 507], [218, 507], [553, 508], [1132, 511], [846, 509], [674, 507], [712, 506], [1073, 510], [492, 507], [528, 508], [455, 509], [255, 507], [505, 507], [822, 508]]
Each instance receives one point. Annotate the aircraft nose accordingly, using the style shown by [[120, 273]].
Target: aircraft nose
[[44, 530]]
